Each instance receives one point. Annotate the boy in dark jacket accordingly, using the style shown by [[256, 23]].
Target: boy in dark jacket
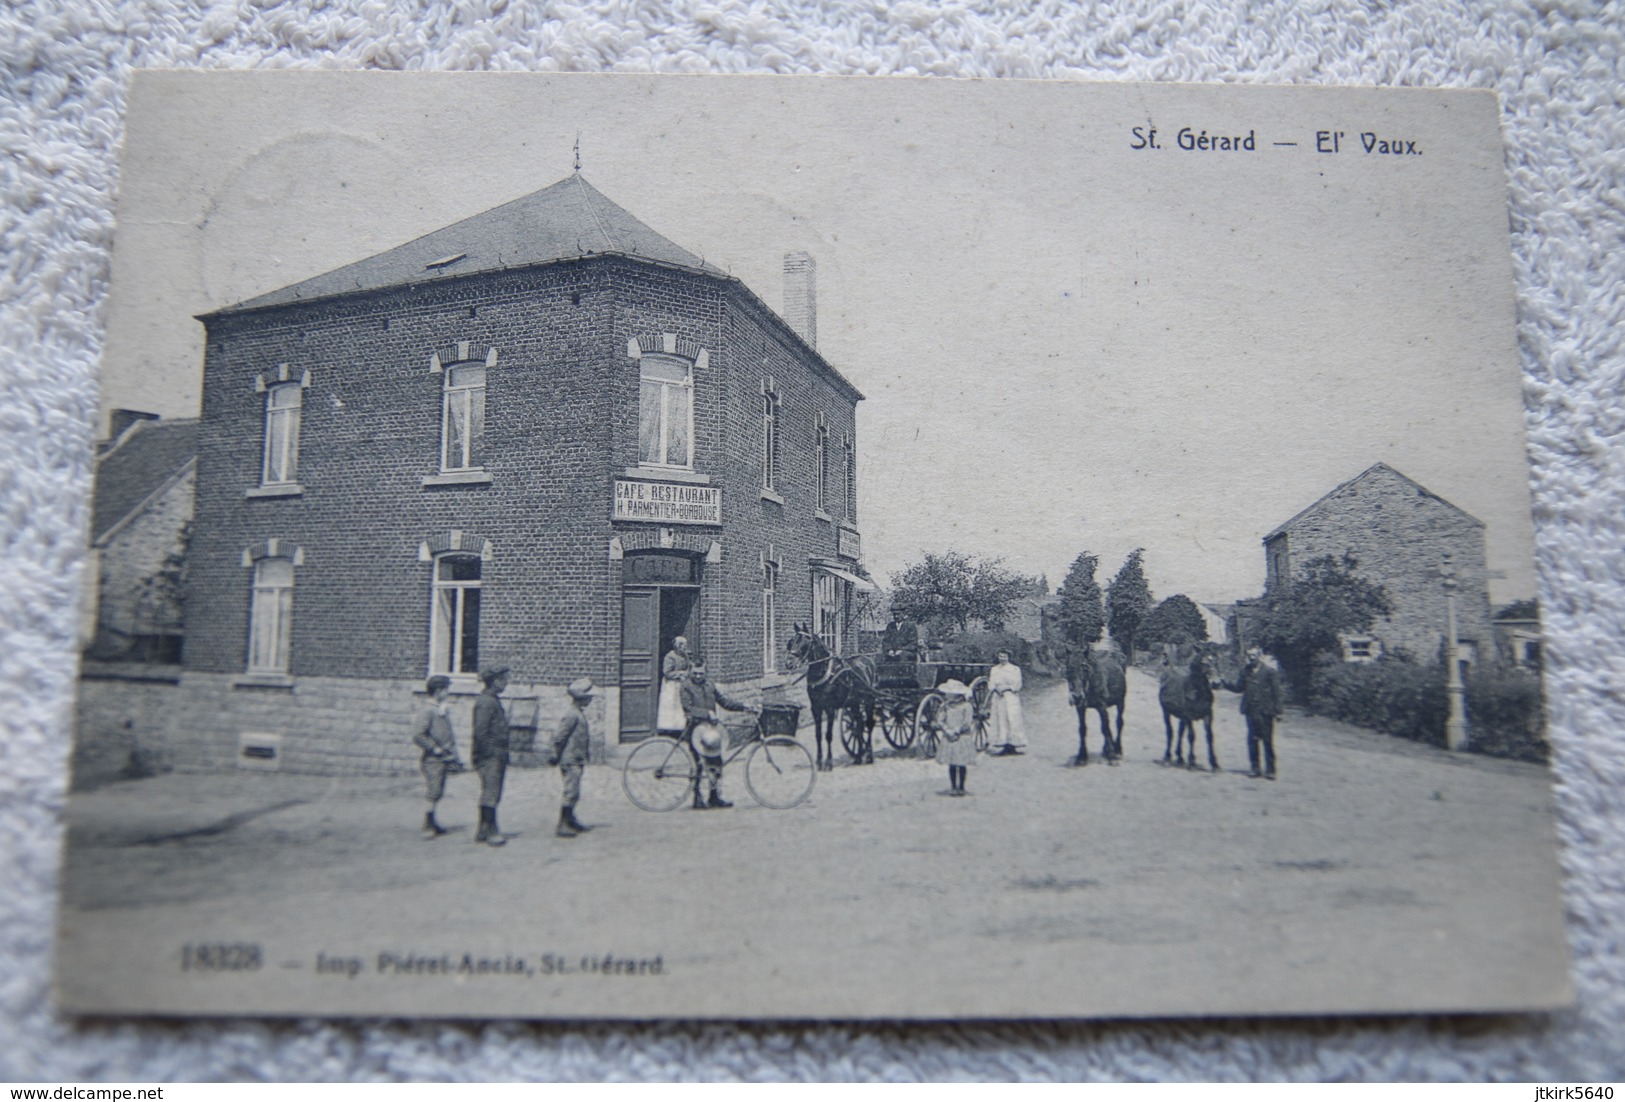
[[490, 751]]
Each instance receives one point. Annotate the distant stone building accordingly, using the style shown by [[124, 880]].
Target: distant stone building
[[146, 476], [1399, 533]]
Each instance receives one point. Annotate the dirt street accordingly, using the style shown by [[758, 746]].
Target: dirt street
[[1373, 875]]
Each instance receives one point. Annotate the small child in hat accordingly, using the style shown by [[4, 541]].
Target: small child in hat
[[956, 746], [570, 744]]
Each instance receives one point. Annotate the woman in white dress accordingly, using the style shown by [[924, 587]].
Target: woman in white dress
[[669, 719], [1009, 733]]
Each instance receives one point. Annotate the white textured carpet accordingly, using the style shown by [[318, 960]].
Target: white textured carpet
[[1558, 69]]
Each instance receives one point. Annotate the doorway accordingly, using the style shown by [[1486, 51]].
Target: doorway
[[660, 600]]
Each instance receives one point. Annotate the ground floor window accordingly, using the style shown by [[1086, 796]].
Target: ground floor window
[[270, 617], [454, 633], [830, 598], [770, 616], [1361, 648]]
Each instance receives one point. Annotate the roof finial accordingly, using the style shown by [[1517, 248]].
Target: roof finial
[[578, 151]]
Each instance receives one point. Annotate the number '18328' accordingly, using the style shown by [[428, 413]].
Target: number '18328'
[[221, 956]]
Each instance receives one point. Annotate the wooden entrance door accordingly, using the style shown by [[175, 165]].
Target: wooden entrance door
[[660, 600], [640, 660]]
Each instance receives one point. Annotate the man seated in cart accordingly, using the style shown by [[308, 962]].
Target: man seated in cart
[[701, 703], [901, 640]]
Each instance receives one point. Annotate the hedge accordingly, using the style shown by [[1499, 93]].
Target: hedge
[[1505, 709]]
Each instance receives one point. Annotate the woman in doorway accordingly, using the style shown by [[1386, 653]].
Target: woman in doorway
[[669, 719], [1009, 734]]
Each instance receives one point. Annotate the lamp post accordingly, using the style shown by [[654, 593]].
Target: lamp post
[[1455, 727]]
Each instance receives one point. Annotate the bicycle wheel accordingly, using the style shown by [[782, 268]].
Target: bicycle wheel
[[659, 774], [779, 772], [981, 698], [927, 720]]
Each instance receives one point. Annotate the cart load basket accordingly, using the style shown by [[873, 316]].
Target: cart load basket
[[781, 719]]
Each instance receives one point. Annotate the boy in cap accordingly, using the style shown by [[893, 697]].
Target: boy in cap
[[570, 744], [434, 737], [490, 753]]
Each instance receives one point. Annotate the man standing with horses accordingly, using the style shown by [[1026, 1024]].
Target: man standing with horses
[[701, 703], [1261, 705]]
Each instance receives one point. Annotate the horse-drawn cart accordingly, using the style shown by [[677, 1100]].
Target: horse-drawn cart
[[898, 693], [908, 705]]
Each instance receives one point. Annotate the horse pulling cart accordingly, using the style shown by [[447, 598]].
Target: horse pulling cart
[[908, 704], [898, 694]]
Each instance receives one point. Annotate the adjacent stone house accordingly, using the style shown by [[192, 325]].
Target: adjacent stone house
[[1399, 533], [544, 436], [140, 512]]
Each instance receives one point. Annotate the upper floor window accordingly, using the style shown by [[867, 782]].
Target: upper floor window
[[462, 437], [770, 441], [454, 632], [851, 480], [821, 458], [270, 617], [666, 412], [1278, 564], [283, 402]]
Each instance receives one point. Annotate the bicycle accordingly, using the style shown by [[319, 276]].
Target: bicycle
[[661, 772]]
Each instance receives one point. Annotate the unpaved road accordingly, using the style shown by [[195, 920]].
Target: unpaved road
[[1374, 875]]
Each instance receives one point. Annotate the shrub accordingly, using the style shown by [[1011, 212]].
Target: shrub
[[982, 646], [1506, 715], [1505, 709], [1394, 697]]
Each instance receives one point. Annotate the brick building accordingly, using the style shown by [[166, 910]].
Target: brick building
[[544, 436], [1399, 533]]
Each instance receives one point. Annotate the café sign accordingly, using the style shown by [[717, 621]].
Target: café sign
[[849, 545], [667, 503]]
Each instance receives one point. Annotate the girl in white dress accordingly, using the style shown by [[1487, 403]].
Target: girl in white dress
[[1009, 734]]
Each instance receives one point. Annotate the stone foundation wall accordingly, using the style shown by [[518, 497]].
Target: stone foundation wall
[[327, 726]]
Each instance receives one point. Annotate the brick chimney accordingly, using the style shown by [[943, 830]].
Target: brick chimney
[[801, 295]]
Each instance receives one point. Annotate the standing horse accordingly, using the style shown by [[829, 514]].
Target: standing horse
[[1097, 681], [836, 685], [1186, 694]]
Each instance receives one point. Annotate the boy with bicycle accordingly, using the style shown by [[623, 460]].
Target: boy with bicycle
[[701, 701]]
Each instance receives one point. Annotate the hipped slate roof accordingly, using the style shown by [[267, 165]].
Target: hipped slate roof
[[569, 219], [1361, 477], [149, 456]]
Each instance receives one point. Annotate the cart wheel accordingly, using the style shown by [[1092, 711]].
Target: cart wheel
[[897, 724], [659, 774], [981, 699], [853, 735], [779, 772], [927, 718]]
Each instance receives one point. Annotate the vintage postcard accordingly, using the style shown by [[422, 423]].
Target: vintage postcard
[[635, 546]]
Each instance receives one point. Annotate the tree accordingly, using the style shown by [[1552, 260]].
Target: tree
[[1128, 601], [1176, 619], [952, 589], [1082, 613], [1325, 600]]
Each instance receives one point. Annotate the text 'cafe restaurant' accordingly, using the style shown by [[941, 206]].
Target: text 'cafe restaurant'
[[546, 437]]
